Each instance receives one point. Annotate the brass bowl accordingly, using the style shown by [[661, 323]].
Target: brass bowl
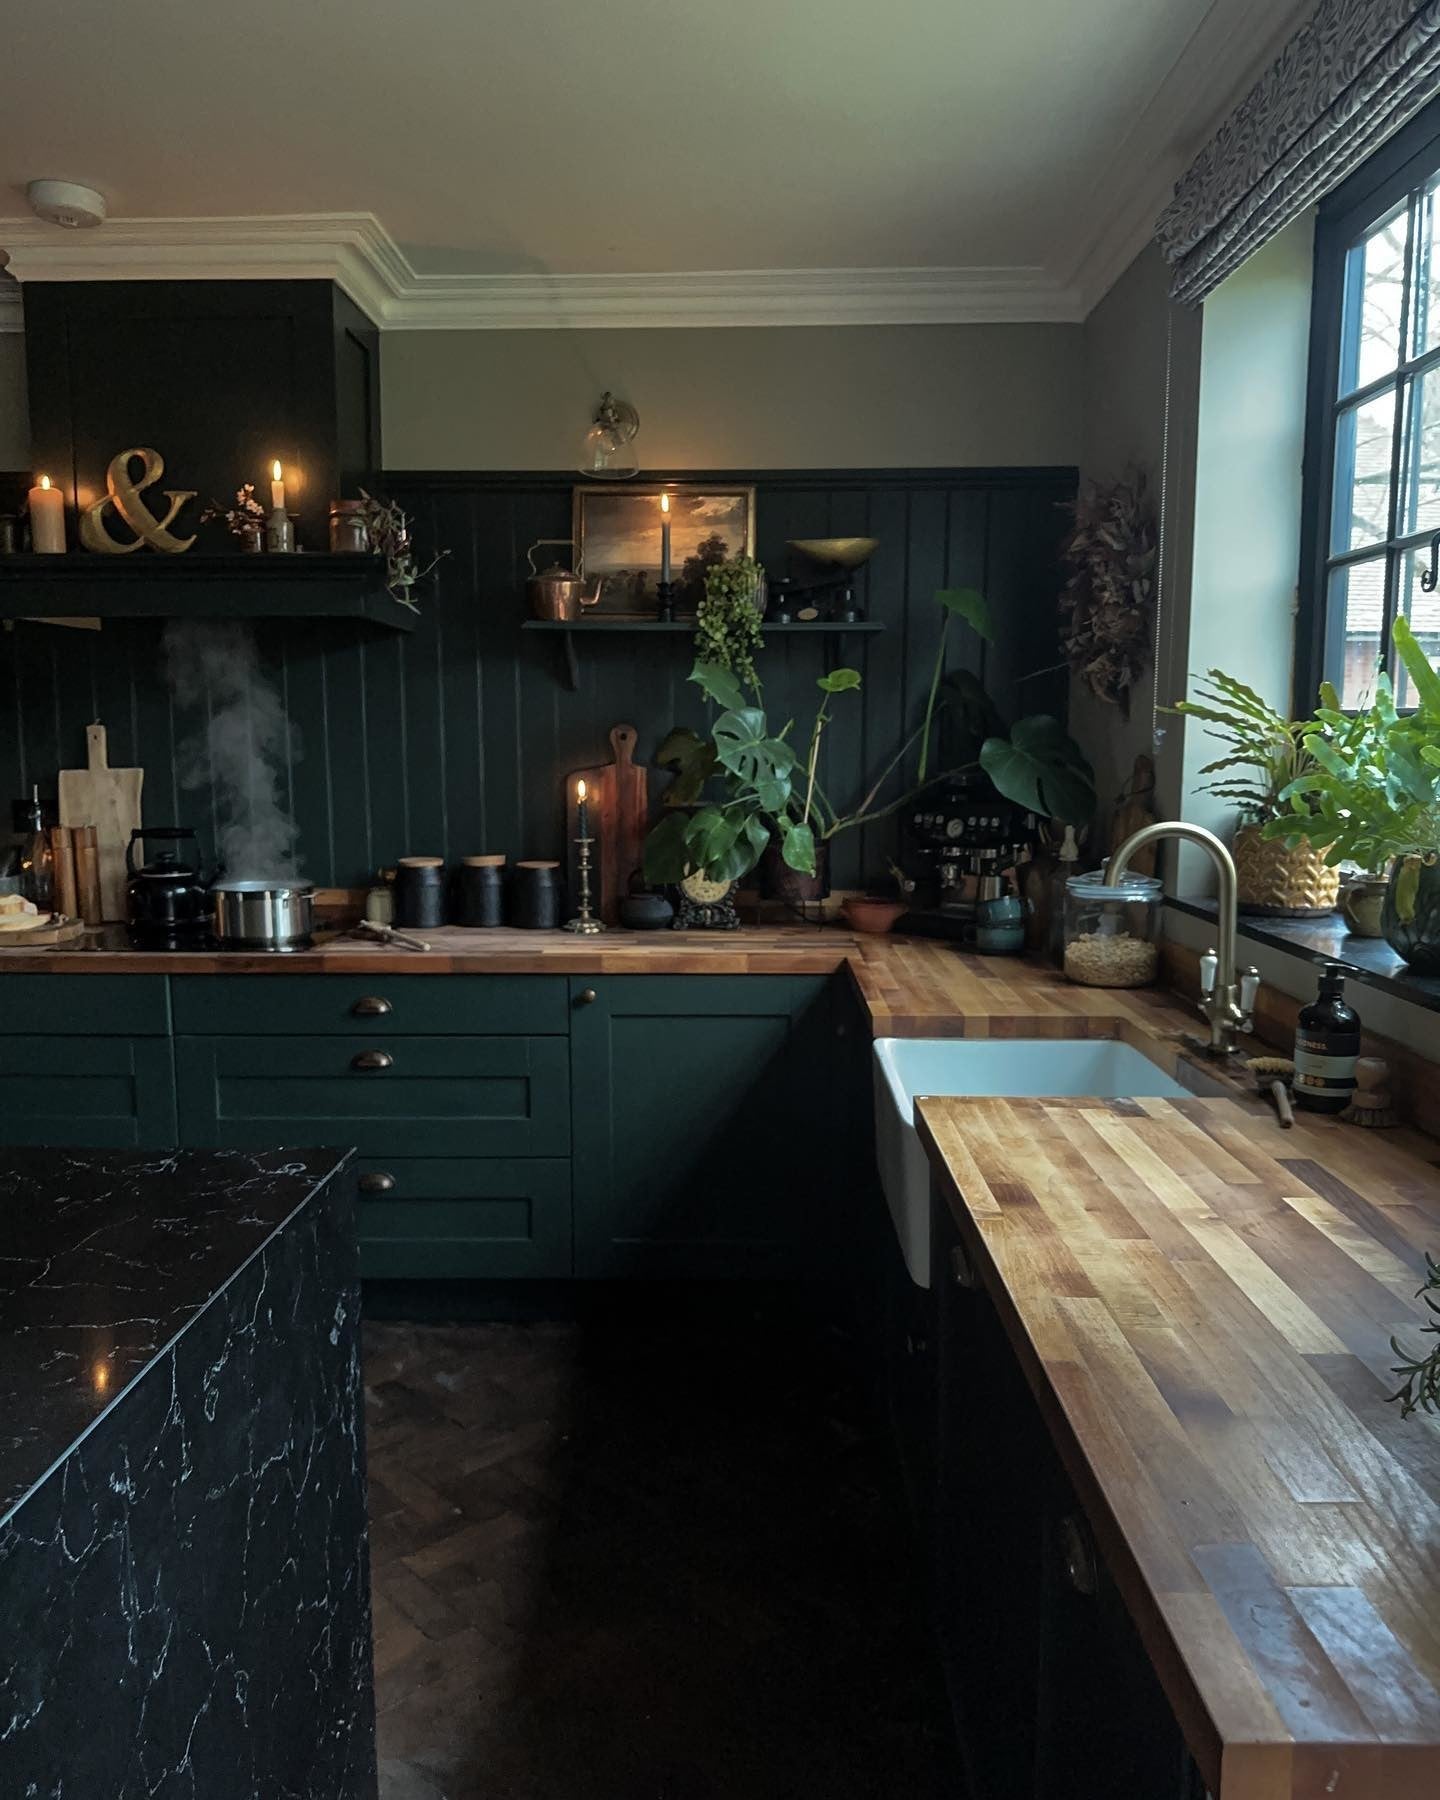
[[843, 553]]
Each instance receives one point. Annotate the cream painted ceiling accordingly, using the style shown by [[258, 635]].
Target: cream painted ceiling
[[617, 136]]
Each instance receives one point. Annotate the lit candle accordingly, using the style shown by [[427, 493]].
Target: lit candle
[[582, 811], [47, 518], [664, 537], [277, 487]]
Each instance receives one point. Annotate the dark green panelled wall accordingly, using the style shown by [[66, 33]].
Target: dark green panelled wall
[[455, 738]]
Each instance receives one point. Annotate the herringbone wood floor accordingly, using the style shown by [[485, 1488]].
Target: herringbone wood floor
[[620, 1563]]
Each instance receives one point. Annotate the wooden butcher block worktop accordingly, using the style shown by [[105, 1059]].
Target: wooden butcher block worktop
[[912, 987], [1203, 1307]]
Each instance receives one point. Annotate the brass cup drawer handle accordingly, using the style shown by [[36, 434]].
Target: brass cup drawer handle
[[373, 1059], [380, 1182], [371, 1006]]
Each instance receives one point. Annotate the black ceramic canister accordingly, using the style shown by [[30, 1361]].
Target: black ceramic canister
[[535, 896], [419, 893], [480, 891]]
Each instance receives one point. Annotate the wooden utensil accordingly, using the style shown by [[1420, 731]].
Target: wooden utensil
[[43, 935], [618, 795], [87, 873], [108, 799], [62, 852]]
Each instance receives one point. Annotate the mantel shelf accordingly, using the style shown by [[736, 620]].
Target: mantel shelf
[[573, 630], [150, 586]]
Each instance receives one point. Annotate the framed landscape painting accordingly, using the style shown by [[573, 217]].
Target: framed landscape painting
[[617, 536]]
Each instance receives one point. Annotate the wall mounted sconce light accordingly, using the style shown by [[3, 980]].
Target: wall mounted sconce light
[[606, 453]]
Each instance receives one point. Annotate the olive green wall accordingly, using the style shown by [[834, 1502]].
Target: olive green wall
[[782, 397]]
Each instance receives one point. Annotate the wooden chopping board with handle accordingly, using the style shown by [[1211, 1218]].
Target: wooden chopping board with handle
[[108, 799], [619, 800]]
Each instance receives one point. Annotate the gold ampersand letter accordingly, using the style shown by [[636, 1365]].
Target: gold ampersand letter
[[124, 495]]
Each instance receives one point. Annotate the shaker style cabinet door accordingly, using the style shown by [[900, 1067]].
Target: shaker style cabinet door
[[703, 1125], [87, 1093]]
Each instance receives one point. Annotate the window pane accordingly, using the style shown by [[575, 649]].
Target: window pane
[[1357, 597], [1425, 334], [1423, 612], [1421, 511], [1364, 445], [1374, 299]]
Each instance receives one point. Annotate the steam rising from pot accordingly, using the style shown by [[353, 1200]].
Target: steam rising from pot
[[243, 749]]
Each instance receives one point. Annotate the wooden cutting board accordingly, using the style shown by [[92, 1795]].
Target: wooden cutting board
[[42, 936], [108, 799], [619, 799]]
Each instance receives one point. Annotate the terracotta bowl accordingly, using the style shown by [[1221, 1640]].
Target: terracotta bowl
[[868, 914]]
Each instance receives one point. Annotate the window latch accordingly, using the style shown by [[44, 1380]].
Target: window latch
[[1429, 577]]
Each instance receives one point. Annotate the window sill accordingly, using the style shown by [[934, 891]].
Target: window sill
[[1370, 961]]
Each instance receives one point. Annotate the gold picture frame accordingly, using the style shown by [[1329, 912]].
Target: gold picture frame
[[616, 528]]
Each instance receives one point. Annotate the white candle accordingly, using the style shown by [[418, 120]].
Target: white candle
[[47, 518], [277, 487], [582, 811], [664, 537]]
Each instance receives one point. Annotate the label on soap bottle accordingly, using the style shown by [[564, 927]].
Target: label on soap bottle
[[1325, 1066]]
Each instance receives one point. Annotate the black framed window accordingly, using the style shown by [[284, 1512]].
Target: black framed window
[[1372, 467]]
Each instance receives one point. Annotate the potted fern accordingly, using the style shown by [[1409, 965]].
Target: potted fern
[[1264, 755]]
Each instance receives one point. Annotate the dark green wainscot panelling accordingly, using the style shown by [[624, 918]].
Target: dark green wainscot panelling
[[446, 1218], [86, 1061], [702, 1142]]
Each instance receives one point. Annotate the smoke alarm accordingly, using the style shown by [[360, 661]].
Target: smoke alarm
[[66, 203]]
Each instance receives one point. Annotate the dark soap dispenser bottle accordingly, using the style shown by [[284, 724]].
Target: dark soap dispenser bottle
[[1327, 1042]]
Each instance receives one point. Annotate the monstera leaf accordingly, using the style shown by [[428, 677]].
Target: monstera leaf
[[693, 761], [970, 605], [756, 760], [1040, 767]]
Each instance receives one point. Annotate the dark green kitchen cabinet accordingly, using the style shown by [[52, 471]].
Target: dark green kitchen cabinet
[[385, 1096], [375, 1006], [94, 1093], [450, 1218], [709, 1131]]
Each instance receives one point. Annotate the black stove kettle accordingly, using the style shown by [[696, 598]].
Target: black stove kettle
[[168, 896]]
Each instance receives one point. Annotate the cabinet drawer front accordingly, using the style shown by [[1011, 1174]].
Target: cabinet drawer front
[[84, 1005], [432, 1096], [87, 1093], [382, 1005], [446, 1217]]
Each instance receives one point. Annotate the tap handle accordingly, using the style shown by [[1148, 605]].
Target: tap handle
[[1209, 969], [1249, 988]]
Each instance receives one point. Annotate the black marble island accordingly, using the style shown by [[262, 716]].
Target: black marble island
[[184, 1582]]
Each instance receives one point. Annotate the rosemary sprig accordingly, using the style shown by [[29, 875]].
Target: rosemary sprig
[[1420, 1391]]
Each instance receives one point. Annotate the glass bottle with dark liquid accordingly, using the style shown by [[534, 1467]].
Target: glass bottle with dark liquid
[[1327, 1042]]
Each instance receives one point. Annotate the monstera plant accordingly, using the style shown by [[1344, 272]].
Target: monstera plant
[[744, 785]]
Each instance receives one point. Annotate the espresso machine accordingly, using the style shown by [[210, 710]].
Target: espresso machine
[[959, 844]]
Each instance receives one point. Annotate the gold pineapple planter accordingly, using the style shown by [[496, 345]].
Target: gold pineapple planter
[[1282, 883]]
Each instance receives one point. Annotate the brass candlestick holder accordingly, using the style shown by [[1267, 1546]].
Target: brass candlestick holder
[[584, 922]]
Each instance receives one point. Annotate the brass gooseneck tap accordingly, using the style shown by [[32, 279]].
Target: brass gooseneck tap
[[1227, 1005]]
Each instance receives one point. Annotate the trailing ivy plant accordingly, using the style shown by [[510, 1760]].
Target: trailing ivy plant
[[727, 620]]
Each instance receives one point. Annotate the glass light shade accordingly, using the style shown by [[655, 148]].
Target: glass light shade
[[607, 454]]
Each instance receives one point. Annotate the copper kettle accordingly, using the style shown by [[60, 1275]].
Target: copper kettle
[[557, 592]]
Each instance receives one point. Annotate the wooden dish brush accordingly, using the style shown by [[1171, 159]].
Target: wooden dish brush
[[1371, 1104], [1272, 1076]]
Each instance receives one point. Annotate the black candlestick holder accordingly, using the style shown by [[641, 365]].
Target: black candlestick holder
[[665, 602], [584, 922]]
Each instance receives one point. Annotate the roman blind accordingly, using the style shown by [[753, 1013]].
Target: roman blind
[[1347, 78]]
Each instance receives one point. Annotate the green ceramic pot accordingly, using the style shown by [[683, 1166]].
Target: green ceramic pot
[[1362, 902], [1416, 938]]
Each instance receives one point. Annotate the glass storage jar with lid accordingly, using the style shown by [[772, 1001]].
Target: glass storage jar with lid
[[1111, 933]]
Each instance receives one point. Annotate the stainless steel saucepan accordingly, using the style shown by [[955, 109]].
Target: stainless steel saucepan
[[264, 915]]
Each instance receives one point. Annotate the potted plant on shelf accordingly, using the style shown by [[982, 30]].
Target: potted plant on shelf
[[1265, 754], [1373, 795], [769, 794], [727, 620]]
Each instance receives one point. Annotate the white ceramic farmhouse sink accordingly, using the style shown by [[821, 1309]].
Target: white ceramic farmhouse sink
[[905, 1067]]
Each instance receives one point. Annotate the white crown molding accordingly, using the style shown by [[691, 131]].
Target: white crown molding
[[355, 250]]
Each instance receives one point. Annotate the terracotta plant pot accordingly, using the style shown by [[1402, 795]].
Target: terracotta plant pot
[[1281, 883], [866, 912]]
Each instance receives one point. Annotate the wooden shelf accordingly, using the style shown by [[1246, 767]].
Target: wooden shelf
[[571, 630], [150, 586]]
